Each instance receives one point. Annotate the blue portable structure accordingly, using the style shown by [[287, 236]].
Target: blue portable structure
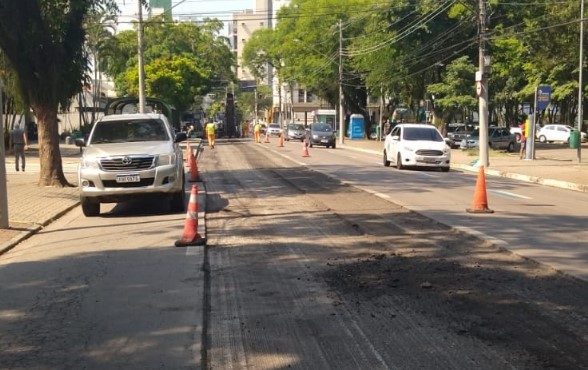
[[356, 126]]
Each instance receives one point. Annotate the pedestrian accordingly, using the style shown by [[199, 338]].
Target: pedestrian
[[523, 127], [257, 132], [210, 132], [19, 143]]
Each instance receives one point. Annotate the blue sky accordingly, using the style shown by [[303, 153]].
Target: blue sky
[[221, 9]]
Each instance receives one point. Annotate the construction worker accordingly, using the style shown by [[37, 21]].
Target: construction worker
[[210, 132], [257, 131]]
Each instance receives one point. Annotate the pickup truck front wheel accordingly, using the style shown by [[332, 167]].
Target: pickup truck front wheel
[[91, 208]]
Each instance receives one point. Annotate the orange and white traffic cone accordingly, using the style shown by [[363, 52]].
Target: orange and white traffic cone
[[266, 140], [190, 235], [193, 168], [305, 149], [480, 203], [281, 143]]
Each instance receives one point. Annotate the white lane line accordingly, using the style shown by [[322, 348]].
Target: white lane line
[[509, 195], [426, 174]]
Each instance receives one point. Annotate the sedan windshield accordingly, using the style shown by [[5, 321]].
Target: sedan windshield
[[295, 126], [421, 133], [129, 131]]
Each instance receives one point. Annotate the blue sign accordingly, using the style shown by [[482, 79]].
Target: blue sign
[[543, 96]]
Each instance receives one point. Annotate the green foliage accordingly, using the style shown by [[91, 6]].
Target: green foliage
[[181, 61], [456, 92]]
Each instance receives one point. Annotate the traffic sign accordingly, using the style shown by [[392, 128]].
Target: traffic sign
[[543, 96]]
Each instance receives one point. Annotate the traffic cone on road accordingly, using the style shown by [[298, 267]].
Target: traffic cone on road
[[190, 235], [281, 143], [480, 203], [266, 140], [305, 149], [193, 168]]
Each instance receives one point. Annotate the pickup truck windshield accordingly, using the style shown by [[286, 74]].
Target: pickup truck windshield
[[129, 131]]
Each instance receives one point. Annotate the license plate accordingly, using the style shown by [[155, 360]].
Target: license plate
[[324, 140], [128, 178], [429, 160]]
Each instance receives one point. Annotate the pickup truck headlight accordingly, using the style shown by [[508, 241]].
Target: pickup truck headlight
[[165, 159], [89, 162]]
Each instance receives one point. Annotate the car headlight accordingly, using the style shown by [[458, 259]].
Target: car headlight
[[315, 136], [408, 149], [446, 150], [165, 159], [89, 162]]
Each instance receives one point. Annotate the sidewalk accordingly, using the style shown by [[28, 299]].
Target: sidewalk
[[31, 207]]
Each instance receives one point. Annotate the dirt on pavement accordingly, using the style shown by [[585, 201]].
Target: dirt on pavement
[[400, 289]]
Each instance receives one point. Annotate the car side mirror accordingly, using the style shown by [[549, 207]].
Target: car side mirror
[[396, 137], [80, 142]]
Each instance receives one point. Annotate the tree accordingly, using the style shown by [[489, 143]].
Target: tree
[[181, 61], [455, 93], [44, 43]]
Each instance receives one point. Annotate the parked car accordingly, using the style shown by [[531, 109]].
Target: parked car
[[416, 145], [557, 132], [498, 138], [295, 131], [128, 156], [516, 131], [456, 132], [274, 129], [321, 134]]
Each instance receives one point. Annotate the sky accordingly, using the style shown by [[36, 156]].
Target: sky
[[221, 9]]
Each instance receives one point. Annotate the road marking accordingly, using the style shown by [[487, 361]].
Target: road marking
[[509, 195], [426, 174]]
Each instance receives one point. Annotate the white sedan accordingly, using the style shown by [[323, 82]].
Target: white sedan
[[274, 129], [557, 132], [416, 145]]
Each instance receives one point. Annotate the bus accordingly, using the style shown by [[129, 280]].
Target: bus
[[328, 116]]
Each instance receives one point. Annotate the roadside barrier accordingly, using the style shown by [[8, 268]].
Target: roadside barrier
[[187, 154], [193, 167], [281, 143], [190, 235], [480, 203], [266, 140]]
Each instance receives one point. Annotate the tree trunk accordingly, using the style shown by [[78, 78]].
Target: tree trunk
[[49, 155]]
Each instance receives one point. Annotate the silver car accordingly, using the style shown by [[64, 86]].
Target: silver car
[[498, 138], [131, 155], [295, 131]]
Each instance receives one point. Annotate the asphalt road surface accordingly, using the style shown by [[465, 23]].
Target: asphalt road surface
[[302, 270], [307, 272]]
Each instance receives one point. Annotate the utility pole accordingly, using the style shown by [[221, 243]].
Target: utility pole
[[482, 80], [140, 55], [3, 179], [579, 154], [341, 113]]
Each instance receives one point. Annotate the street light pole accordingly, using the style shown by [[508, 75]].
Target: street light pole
[[3, 179], [579, 153], [341, 113], [140, 56]]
